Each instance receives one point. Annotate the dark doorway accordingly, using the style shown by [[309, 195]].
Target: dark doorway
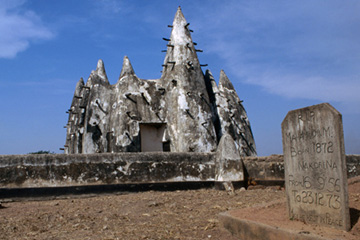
[[152, 137]]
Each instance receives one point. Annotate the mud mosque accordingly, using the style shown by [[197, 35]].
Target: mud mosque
[[183, 111]]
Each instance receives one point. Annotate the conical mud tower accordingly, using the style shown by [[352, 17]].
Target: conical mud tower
[[183, 111]]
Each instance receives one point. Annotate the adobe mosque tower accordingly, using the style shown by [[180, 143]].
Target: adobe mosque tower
[[183, 111]]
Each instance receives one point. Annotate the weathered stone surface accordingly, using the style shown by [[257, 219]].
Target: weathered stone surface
[[55, 170], [353, 165], [229, 114], [228, 166], [187, 107], [315, 166], [266, 168], [271, 168], [251, 230]]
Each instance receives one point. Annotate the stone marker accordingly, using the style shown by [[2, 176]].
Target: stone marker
[[315, 167], [228, 164]]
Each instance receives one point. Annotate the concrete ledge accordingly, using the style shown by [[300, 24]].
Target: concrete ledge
[[251, 230], [270, 221]]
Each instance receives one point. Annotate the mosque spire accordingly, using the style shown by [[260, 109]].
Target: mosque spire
[[127, 68], [224, 82], [181, 50], [100, 70], [98, 76], [79, 85]]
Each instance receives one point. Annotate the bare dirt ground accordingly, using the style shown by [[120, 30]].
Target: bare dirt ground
[[189, 214], [275, 214]]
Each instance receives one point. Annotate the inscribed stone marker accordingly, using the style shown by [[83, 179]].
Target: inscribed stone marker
[[315, 167]]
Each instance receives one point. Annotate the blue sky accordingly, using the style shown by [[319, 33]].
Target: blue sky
[[280, 56]]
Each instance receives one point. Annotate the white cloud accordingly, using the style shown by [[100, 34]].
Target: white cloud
[[296, 49], [18, 28], [316, 88]]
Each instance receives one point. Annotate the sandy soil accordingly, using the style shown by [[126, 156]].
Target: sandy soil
[[189, 214]]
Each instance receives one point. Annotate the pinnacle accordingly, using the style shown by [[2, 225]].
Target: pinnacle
[[100, 65], [181, 51], [81, 81], [209, 75], [211, 87], [79, 86], [100, 70], [180, 34], [224, 82], [127, 68], [210, 81]]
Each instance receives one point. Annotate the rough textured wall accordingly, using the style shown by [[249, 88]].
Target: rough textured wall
[[229, 114], [55, 170], [271, 167], [189, 106], [188, 114], [268, 168], [353, 165]]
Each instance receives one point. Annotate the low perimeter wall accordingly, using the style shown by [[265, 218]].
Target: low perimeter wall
[[271, 168], [59, 170], [62, 170]]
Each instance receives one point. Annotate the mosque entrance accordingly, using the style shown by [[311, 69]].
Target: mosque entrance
[[152, 137]]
